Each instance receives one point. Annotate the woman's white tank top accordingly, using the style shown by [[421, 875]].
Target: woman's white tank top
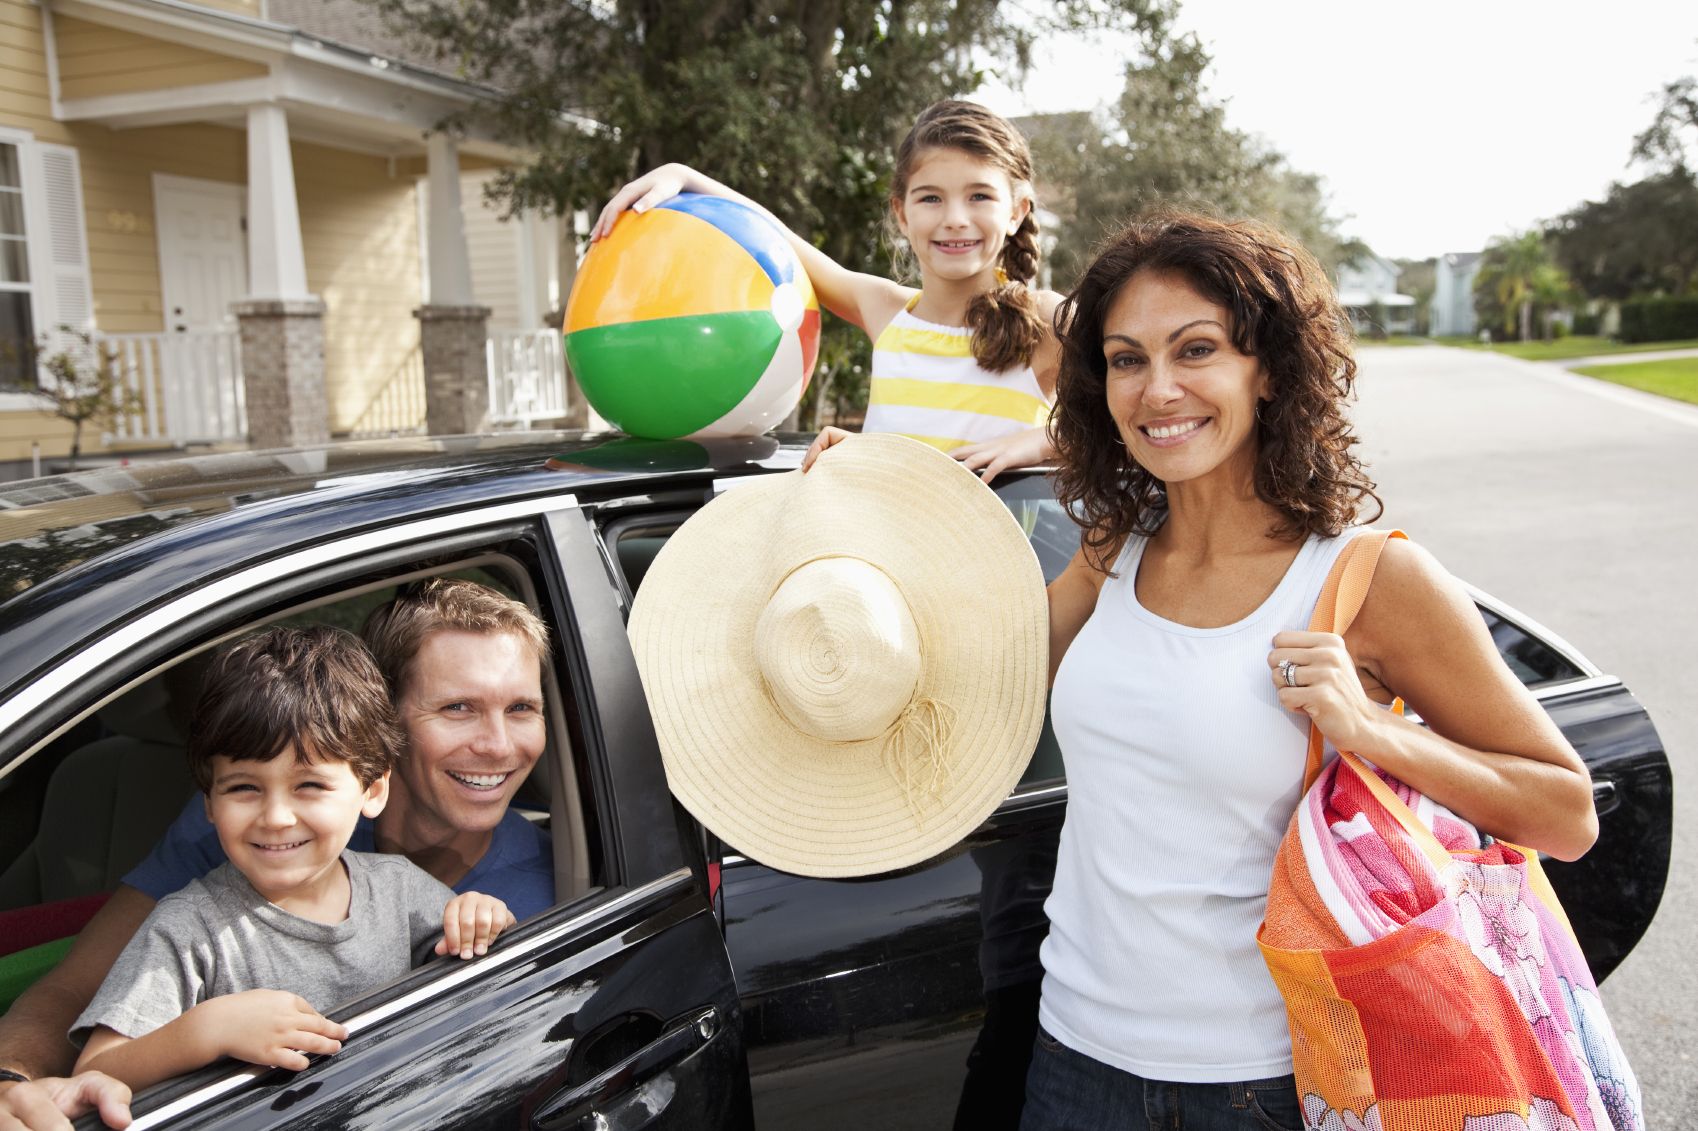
[[1183, 771]]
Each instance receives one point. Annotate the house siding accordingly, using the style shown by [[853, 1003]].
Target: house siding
[[96, 61], [359, 227], [493, 250], [254, 9]]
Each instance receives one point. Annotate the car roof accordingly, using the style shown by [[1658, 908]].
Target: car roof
[[120, 537]]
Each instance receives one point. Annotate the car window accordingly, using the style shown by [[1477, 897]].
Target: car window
[[1534, 662], [1054, 537], [87, 807]]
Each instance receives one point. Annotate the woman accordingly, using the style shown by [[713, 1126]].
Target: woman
[[1203, 444]]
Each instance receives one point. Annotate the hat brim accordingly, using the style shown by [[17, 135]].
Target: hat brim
[[787, 798]]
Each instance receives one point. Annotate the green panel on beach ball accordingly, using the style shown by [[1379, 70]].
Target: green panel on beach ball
[[669, 377]]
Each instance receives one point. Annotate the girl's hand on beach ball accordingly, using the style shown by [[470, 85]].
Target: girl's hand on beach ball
[[657, 186]]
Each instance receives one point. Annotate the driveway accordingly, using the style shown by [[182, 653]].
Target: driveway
[[1571, 499]]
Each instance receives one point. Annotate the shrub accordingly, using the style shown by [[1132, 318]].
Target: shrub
[[1588, 325], [1659, 319]]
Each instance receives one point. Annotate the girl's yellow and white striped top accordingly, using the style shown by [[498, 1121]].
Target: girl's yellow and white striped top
[[925, 384]]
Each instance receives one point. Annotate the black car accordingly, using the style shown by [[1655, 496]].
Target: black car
[[675, 984]]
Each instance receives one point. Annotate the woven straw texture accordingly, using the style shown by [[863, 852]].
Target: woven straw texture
[[970, 582]]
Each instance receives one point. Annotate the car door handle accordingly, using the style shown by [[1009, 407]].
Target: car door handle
[[1604, 796], [576, 1108]]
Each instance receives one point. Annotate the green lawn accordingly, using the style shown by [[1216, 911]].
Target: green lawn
[[1564, 348], [1675, 377]]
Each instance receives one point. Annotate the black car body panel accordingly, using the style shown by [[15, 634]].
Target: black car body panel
[[687, 986]]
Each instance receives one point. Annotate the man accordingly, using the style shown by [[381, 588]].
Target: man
[[464, 666]]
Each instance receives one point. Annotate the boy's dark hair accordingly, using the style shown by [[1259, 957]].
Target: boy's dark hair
[[317, 688]]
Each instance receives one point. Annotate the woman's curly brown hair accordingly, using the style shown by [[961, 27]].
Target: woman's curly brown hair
[[1284, 313]]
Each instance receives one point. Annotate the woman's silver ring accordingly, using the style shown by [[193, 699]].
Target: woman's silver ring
[[1288, 672]]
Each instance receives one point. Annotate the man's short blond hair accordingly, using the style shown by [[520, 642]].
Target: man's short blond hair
[[397, 629]]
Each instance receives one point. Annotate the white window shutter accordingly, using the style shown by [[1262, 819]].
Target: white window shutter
[[70, 293]]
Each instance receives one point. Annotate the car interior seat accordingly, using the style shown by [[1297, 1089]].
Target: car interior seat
[[107, 802]]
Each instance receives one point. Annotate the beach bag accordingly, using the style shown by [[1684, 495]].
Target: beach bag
[[1432, 982]]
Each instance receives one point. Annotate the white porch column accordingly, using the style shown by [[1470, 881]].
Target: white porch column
[[453, 329], [282, 324], [277, 267], [450, 266]]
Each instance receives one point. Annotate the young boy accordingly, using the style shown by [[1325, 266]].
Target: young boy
[[293, 739]]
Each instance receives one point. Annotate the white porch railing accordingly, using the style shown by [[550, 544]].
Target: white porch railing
[[186, 386], [527, 377], [398, 409]]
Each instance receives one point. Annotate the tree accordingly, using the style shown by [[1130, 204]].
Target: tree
[[799, 103], [1518, 277], [1167, 141], [82, 385], [1640, 239], [1668, 140]]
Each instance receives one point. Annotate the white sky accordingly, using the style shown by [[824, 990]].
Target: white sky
[[1436, 125]]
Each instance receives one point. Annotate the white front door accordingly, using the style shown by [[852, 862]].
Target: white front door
[[203, 253]]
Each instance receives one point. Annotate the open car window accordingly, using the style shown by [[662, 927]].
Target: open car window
[[88, 805]]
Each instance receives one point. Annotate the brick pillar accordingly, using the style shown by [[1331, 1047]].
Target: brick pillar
[[453, 340], [283, 371]]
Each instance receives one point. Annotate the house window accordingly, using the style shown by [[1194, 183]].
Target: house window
[[17, 323]]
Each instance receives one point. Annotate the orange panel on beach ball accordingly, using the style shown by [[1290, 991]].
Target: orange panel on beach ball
[[632, 276]]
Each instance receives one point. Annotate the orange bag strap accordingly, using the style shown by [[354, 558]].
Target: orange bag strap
[[1342, 594], [1345, 589]]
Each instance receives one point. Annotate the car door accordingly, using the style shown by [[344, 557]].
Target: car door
[[865, 1000], [909, 1000], [615, 1009]]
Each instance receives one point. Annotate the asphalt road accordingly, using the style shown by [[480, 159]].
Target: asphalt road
[[1576, 502]]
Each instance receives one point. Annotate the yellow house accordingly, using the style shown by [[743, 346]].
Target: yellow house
[[245, 201]]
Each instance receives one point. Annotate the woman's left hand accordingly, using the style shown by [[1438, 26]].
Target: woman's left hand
[[1020, 449], [1323, 684]]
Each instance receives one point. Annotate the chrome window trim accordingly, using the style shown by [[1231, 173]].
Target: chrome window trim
[[475, 968], [1575, 686], [1534, 629], [45, 689]]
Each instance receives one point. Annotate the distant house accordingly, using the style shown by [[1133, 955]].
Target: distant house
[[244, 201], [1453, 294], [1367, 289]]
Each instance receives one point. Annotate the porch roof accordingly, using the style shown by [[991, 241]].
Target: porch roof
[[334, 94]]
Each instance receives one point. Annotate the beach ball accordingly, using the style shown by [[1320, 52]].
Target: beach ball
[[693, 319]]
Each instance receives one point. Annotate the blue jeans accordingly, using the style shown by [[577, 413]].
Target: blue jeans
[[1069, 1091]]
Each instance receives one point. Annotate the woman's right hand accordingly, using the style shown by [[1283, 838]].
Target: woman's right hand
[[657, 186]]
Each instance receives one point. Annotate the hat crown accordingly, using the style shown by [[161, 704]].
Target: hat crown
[[838, 649]]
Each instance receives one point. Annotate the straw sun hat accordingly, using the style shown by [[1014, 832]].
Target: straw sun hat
[[846, 667]]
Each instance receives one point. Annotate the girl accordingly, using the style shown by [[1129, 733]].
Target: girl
[[966, 363], [1203, 444]]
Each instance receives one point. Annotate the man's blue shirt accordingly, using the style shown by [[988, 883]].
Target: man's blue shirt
[[518, 868]]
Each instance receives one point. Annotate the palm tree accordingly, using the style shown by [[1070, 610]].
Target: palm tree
[[1518, 273]]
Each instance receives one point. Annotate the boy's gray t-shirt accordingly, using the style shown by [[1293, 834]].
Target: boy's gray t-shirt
[[219, 936]]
